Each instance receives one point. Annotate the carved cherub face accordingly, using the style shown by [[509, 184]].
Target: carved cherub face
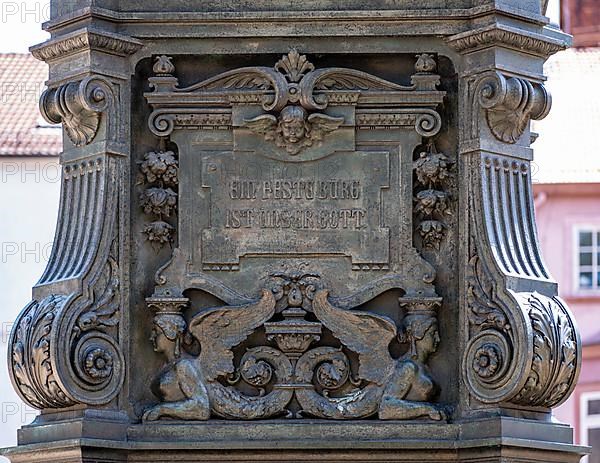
[[292, 124]]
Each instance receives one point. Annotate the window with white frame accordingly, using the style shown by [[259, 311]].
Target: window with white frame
[[590, 424], [588, 258]]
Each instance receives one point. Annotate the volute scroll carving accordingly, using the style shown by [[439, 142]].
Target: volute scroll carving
[[78, 106], [524, 347], [84, 364], [65, 348], [510, 103]]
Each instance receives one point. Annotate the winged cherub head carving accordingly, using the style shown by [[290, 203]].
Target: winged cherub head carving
[[294, 129]]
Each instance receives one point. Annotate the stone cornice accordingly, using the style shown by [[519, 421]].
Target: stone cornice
[[528, 42], [84, 40]]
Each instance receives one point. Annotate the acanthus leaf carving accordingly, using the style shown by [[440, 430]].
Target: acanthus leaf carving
[[555, 363], [32, 369]]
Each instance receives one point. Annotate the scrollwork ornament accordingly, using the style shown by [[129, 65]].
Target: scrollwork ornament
[[78, 106], [510, 103], [487, 360], [99, 363], [254, 371], [556, 350]]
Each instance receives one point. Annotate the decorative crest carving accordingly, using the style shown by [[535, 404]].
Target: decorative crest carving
[[293, 94], [319, 377]]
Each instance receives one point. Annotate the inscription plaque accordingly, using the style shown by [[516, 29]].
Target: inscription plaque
[[261, 206]]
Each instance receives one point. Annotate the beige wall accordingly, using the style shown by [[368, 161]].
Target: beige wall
[[29, 194]]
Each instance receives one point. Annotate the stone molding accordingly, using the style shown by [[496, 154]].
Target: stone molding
[[86, 39], [506, 36]]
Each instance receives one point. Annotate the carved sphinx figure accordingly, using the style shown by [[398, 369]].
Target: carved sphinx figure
[[405, 384], [187, 386], [180, 385], [411, 385]]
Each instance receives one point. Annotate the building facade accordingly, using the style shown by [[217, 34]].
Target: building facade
[[567, 199], [29, 188]]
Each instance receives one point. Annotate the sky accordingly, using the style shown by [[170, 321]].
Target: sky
[[21, 22]]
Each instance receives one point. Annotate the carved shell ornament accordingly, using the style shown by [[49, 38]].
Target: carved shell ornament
[[77, 105], [510, 103]]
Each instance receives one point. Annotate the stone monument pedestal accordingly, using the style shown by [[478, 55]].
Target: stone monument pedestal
[[486, 439], [296, 232]]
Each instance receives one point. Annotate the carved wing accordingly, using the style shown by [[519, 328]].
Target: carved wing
[[264, 124], [321, 125], [222, 328], [367, 334], [349, 79]]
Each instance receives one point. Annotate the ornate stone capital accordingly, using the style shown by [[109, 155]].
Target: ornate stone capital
[[510, 103], [78, 106]]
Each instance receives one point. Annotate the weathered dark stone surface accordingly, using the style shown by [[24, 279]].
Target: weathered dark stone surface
[[321, 217]]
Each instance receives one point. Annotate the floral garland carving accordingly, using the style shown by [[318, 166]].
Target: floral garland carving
[[159, 170], [432, 170]]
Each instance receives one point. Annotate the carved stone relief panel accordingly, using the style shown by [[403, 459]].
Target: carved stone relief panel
[[274, 170], [292, 374], [295, 203]]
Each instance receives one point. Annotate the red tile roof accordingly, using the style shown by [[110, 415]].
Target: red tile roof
[[23, 132]]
